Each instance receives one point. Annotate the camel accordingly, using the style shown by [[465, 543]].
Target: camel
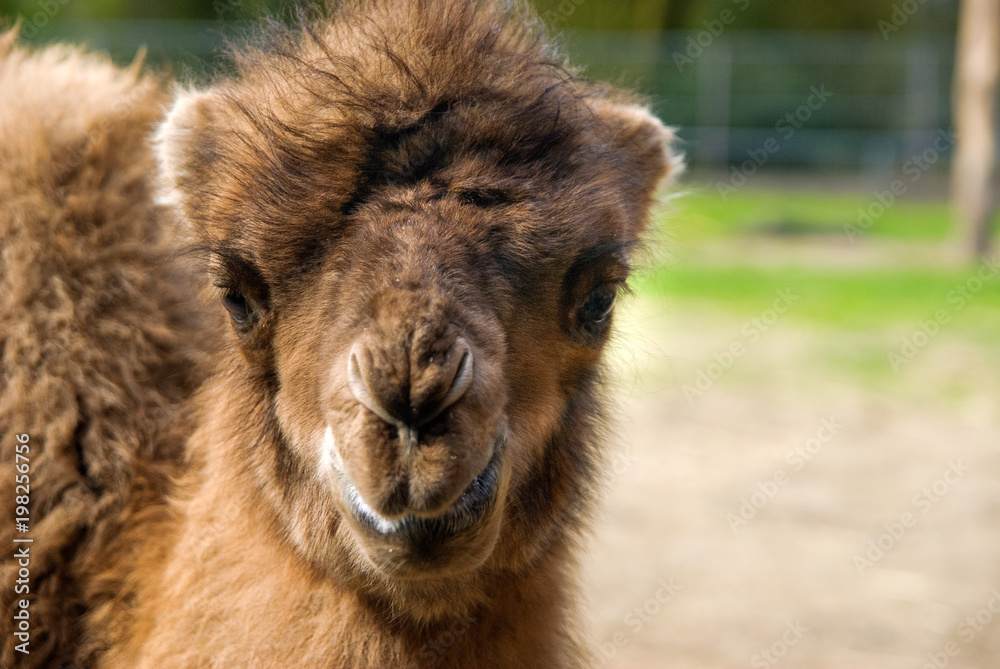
[[309, 360]]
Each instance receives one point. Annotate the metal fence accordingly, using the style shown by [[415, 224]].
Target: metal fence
[[817, 100], [811, 101]]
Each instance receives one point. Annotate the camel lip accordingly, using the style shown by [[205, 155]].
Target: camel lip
[[475, 502]]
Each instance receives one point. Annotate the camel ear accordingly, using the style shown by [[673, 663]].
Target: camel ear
[[185, 150], [647, 145]]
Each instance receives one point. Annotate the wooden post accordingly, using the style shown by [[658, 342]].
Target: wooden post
[[977, 66]]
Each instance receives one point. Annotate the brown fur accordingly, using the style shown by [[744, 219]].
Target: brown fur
[[99, 341], [395, 194]]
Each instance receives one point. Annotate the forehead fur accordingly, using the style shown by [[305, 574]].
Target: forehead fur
[[454, 96]]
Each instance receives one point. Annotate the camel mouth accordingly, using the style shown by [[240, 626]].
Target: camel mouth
[[475, 503]]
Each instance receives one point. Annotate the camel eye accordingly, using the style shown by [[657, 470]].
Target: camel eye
[[598, 306], [484, 198], [236, 305]]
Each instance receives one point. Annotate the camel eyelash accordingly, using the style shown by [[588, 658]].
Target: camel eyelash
[[237, 306], [485, 198]]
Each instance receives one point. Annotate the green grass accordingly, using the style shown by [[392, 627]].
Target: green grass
[[863, 298], [703, 213], [849, 313], [856, 299]]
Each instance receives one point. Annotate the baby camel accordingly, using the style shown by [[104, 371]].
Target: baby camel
[[418, 218]]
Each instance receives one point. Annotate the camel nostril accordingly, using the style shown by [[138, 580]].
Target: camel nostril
[[358, 368], [394, 403], [460, 380]]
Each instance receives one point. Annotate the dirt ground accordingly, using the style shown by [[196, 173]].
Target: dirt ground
[[792, 514]]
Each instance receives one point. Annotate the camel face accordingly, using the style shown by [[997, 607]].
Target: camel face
[[423, 360], [419, 237]]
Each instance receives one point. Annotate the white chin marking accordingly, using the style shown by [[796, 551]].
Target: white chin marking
[[328, 451], [384, 525]]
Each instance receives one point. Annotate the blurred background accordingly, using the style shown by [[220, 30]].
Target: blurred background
[[806, 469]]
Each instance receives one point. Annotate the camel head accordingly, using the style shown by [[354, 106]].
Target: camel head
[[418, 225]]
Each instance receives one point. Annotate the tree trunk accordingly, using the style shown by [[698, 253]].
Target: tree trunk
[[976, 73]]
